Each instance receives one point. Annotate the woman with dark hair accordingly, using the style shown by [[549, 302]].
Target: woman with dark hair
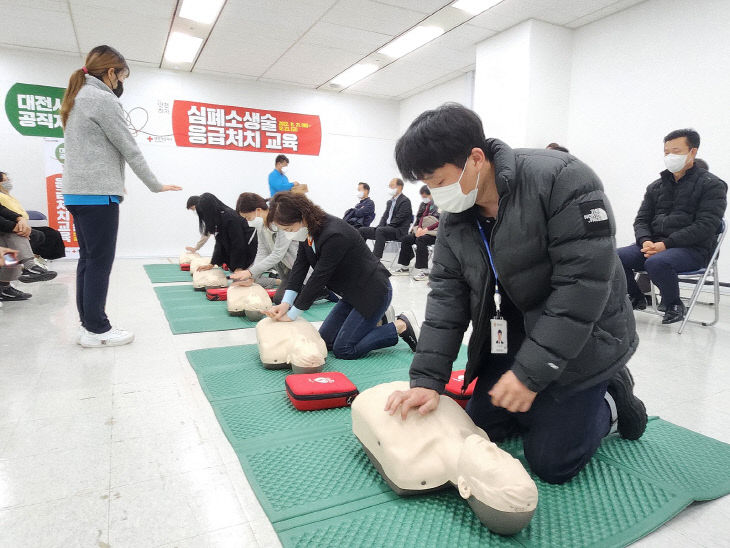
[[235, 240], [423, 235], [344, 264], [190, 205], [98, 143], [275, 252]]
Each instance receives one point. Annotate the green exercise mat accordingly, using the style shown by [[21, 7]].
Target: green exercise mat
[[318, 488], [189, 311], [167, 273]]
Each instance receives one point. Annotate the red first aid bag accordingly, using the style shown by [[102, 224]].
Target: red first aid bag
[[217, 293], [271, 293], [453, 388], [312, 391], [185, 267]]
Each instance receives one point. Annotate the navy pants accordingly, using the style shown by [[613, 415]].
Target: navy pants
[[662, 269], [96, 229], [350, 335], [381, 235], [406, 250], [559, 436]]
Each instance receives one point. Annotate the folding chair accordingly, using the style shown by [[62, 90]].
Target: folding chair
[[700, 278]]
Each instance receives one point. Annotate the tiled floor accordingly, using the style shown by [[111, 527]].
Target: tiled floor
[[119, 447]]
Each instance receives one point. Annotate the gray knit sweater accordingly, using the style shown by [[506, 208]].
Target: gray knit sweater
[[98, 142]]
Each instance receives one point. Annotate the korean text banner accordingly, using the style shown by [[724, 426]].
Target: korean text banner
[[238, 128], [58, 216], [33, 110]]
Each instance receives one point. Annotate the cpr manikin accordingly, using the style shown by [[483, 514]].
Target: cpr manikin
[[296, 344], [186, 258], [205, 279], [250, 301], [429, 452], [198, 262]]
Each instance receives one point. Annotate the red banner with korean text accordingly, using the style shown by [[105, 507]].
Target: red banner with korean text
[[207, 125], [58, 216]]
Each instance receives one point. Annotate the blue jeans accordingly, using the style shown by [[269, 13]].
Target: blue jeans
[[559, 436], [96, 229], [662, 269], [350, 335]]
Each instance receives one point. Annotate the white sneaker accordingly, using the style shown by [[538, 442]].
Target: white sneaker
[[113, 337], [80, 334], [400, 271], [420, 275]]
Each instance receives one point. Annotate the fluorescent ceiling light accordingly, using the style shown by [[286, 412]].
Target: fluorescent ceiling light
[[413, 39], [182, 48], [202, 11], [474, 7], [354, 74]]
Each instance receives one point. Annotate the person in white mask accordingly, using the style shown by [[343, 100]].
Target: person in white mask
[[275, 251], [342, 263], [422, 235], [278, 181], [394, 223], [363, 214], [676, 225], [526, 247]]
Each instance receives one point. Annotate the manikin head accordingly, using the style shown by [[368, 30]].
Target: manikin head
[[496, 485], [296, 343]]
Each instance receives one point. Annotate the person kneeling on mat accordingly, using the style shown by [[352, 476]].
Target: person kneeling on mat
[[342, 262], [527, 248], [275, 251], [235, 240]]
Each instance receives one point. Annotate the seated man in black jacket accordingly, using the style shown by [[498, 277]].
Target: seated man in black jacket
[[677, 224], [527, 248], [395, 221], [363, 214]]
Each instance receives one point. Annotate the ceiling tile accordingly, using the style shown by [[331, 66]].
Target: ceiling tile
[[311, 65], [345, 38], [240, 55], [372, 16], [423, 6], [45, 24]]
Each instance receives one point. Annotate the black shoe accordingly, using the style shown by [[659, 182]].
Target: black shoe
[[638, 303], [36, 274], [9, 293], [662, 306], [630, 410], [674, 314], [410, 335], [388, 317]]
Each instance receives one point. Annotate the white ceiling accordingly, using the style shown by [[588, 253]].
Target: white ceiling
[[297, 42]]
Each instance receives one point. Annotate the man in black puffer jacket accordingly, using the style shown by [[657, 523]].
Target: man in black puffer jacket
[[677, 224], [537, 225]]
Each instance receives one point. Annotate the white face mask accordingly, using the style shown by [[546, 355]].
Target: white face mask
[[450, 198], [426, 200], [257, 222], [7, 186], [391, 191], [284, 169], [299, 236], [360, 194], [675, 162]]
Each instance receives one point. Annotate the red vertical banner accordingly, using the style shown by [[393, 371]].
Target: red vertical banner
[[206, 125], [58, 216]]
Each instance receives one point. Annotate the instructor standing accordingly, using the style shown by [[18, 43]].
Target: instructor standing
[[527, 249], [98, 143]]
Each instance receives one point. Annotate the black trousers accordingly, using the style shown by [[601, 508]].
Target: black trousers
[[559, 436], [96, 229], [406, 249], [380, 234]]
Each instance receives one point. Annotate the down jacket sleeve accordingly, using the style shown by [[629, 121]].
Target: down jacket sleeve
[[447, 318], [642, 223], [708, 215], [581, 249]]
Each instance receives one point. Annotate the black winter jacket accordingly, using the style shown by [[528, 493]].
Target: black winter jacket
[[684, 213], [235, 242], [343, 263], [554, 251], [363, 214], [8, 219]]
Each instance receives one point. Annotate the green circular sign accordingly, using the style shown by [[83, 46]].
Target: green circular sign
[[60, 153]]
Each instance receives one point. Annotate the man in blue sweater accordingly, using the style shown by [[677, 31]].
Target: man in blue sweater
[[278, 181]]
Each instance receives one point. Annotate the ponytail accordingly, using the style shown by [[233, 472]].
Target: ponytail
[[98, 62]]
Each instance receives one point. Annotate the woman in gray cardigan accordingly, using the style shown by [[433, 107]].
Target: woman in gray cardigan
[[98, 143]]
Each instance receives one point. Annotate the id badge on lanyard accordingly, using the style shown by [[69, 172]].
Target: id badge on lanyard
[[498, 325]]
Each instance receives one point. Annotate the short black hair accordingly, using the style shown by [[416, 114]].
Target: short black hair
[[425, 190], [693, 138], [398, 182], [192, 201], [556, 146], [281, 158], [365, 186], [699, 162], [445, 135]]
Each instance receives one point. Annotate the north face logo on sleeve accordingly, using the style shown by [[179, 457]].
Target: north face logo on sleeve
[[595, 218]]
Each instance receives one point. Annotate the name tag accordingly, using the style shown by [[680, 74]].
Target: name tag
[[499, 335]]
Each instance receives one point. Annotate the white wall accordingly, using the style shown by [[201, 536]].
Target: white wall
[[459, 90], [358, 135], [659, 66]]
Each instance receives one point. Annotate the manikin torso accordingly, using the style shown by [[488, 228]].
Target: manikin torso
[[252, 298], [186, 258], [297, 343]]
